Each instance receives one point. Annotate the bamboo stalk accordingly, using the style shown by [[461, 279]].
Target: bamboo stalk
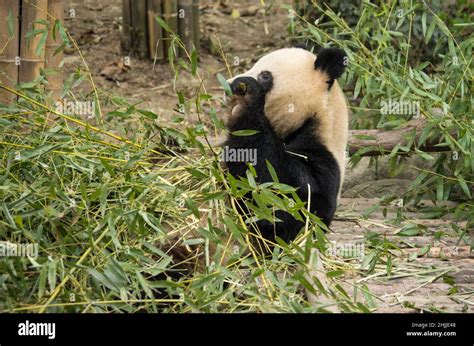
[[155, 33], [9, 47], [195, 29], [185, 24], [170, 10], [53, 42], [31, 62], [126, 26], [139, 27]]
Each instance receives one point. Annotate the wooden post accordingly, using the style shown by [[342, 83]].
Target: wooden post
[[170, 11], [53, 61], [143, 35], [185, 25], [9, 47], [126, 26], [31, 63], [155, 32], [139, 27], [196, 32]]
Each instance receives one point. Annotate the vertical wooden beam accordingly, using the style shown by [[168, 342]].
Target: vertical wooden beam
[[9, 47], [31, 63], [139, 27], [155, 32], [185, 25], [170, 12], [196, 27], [126, 26]]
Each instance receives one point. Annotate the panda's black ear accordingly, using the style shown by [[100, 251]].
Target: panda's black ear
[[332, 61]]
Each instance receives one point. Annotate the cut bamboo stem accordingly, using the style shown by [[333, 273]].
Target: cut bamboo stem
[[155, 32], [195, 29], [54, 57], [139, 27], [31, 52], [170, 12], [9, 47], [142, 34], [185, 25], [126, 26]]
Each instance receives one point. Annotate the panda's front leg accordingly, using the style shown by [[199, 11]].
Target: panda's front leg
[[321, 173]]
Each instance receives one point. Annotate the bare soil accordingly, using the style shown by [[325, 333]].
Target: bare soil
[[96, 27]]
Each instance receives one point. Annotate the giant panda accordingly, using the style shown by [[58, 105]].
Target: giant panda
[[292, 100]]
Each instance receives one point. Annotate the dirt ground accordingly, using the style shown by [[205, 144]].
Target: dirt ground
[[96, 27], [439, 279], [430, 273]]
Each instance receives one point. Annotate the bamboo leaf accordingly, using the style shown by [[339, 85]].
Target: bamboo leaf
[[224, 84], [243, 133]]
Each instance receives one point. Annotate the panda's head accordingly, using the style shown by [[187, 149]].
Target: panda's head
[[296, 85]]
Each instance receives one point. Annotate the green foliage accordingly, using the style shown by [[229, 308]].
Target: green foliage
[[419, 53], [105, 198]]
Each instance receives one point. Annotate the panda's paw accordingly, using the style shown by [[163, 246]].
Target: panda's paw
[[248, 99]]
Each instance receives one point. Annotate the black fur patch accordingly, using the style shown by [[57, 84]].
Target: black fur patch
[[318, 169], [333, 61], [291, 136]]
